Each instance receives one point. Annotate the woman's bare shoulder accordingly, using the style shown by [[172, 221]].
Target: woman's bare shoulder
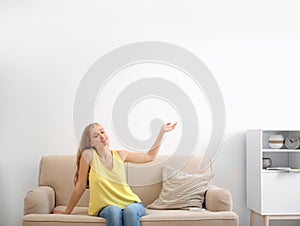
[[87, 154], [123, 154]]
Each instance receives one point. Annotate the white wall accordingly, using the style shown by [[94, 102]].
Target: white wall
[[252, 48]]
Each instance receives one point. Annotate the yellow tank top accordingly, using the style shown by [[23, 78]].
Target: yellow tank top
[[109, 187]]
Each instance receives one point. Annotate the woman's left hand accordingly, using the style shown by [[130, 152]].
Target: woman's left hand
[[168, 127]]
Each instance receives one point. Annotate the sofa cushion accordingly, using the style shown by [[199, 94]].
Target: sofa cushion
[[181, 190], [58, 172], [61, 220], [186, 215], [78, 210], [79, 217], [187, 218]]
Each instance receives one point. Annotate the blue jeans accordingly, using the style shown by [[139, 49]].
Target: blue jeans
[[129, 216]]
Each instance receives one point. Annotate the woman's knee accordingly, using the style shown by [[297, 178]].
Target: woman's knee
[[111, 211], [133, 210]]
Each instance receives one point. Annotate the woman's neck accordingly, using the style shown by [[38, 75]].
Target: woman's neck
[[103, 152]]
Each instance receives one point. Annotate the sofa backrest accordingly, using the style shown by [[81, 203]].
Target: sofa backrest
[[144, 179], [58, 172]]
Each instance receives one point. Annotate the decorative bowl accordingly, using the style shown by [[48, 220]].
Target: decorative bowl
[[276, 141]]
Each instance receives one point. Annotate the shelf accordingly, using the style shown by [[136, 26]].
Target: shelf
[[265, 186], [280, 150], [281, 170], [272, 171]]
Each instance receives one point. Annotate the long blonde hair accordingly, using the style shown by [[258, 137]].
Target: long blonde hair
[[85, 143]]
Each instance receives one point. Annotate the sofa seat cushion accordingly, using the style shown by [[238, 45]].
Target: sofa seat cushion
[[61, 220], [175, 215], [188, 218], [79, 217], [167, 215], [78, 210]]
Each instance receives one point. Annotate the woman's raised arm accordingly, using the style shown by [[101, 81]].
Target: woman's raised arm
[[136, 157]]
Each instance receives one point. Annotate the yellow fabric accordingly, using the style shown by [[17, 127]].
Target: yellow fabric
[[109, 187]]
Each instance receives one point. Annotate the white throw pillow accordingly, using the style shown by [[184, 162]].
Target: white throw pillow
[[181, 190]]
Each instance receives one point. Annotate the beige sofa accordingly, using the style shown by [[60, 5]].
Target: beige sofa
[[55, 188]]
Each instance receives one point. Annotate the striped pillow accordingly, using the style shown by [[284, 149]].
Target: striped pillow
[[181, 190]]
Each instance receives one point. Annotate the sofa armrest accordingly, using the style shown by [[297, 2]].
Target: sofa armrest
[[40, 200], [218, 199]]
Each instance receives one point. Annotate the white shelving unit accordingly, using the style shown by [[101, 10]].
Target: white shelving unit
[[272, 194]]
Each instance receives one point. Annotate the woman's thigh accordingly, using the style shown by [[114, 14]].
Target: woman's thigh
[[113, 215], [132, 214]]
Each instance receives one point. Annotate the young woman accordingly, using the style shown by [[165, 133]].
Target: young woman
[[103, 171]]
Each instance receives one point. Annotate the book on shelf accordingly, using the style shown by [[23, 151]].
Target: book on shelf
[[284, 169]]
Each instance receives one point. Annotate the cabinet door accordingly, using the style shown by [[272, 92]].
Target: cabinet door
[[280, 193]]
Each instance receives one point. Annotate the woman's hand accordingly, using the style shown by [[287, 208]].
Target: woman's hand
[[168, 127], [58, 212]]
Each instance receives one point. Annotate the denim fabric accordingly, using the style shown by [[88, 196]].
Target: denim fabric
[[129, 216]]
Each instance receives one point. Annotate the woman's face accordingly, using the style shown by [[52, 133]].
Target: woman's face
[[98, 136]]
